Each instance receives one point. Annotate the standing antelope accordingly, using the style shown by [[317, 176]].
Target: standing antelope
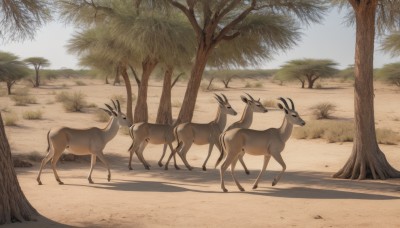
[[270, 142], [144, 133], [200, 134], [246, 120], [83, 142]]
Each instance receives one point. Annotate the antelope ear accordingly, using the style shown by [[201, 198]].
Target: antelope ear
[[244, 99]]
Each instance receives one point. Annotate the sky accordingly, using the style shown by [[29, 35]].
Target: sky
[[331, 39]]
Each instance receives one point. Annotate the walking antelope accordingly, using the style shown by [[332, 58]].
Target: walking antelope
[[201, 134], [83, 141], [270, 142], [144, 133], [246, 120]]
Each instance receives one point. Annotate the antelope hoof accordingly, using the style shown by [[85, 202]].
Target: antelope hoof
[[255, 186], [147, 167], [90, 181], [160, 164], [274, 182], [190, 168], [166, 168], [225, 190], [130, 168], [241, 189], [247, 172], [109, 178], [60, 183], [204, 168], [177, 167], [39, 183]]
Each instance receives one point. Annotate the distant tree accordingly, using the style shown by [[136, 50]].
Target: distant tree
[[307, 70], [37, 63], [390, 73], [346, 74], [18, 20], [11, 69]]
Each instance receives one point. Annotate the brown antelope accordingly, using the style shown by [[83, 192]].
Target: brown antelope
[[246, 120], [270, 142], [83, 142], [200, 134]]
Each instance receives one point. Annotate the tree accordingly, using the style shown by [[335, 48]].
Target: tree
[[367, 160], [390, 73], [308, 70], [217, 22], [11, 70], [391, 44], [18, 20], [37, 63]]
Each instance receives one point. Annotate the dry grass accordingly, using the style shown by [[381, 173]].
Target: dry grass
[[74, 102], [22, 97], [340, 131], [80, 83], [323, 110], [101, 116], [176, 104], [253, 85], [124, 130], [10, 119], [270, 103], [32, 115]]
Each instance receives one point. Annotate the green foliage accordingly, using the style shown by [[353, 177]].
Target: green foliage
[[323, 110], [37, 61], [74, 102], [307, 70], [346, 74], [11, 69], [390, 73], [32, 115], [340, 131]]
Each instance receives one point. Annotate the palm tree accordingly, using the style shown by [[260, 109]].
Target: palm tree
[[11, 69], [220, 21], [37, 63], [370, 17], [308, 70], [18, 20]]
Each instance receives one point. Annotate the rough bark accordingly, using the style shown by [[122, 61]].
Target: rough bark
[[141, 111], [366, 160], [189, 102], [14, 207], [164, 114], [311, 80], [125, 76]]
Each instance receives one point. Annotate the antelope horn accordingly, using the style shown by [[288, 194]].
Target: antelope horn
[[112, 110], [219, 99], [291, 103], [284, 102], [115, 106], [226, 99], [119, 106], [250, 96]]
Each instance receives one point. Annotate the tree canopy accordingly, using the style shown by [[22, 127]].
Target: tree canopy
[[11, 69]]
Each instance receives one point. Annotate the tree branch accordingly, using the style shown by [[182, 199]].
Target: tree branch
[[135, 75], [189, 12], [176, 79]]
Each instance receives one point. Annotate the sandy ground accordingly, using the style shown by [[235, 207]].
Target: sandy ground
[[306, 196]]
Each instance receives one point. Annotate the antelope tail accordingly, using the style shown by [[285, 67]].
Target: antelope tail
[[48, 141]]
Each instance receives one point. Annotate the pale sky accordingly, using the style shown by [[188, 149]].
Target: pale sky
[[331, 39]]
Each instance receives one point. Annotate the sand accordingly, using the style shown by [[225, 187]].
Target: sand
[[306, 196]]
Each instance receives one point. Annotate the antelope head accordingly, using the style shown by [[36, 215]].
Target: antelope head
[[223, 102], [116, 113], [255, 105], [290, 113]]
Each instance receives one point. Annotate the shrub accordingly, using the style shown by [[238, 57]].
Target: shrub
[[72, 102], [23, 100], [32, 115], [101, 116], [62, 96], [270, 103], [124, 130], [10, 120], [340, 131], [80, 83], [176, 104], [35, 156], [121, 98], [318, 86], [323, 110], [258, 85]]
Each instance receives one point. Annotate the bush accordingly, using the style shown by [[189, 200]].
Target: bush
[[176, 104], [323, 110], [318, 86], [340, 131], [80, 83], [72, 102], [10, 120], [23, 100], [32, 115], [124, 130], [101, 116], [270, 103], [253, 85]]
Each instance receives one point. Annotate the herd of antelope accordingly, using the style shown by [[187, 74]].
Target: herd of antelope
[[232, 142]]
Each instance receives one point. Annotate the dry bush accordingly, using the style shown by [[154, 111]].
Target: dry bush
[[21, 163], [318, 86], [22, 97], [101, 116], [10, 119], [80, 83], [124, 130], [340, 131], [323, 110], [3, 93], [32, 115], [74, 102], [270, 103], [253, 85], [35, 156], [176, 104]]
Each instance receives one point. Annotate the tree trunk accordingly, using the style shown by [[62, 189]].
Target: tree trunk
[[141, 112], [210, 83], [125, 76], [226, 83], [366, 160], [135, 75], [311, 81], [302, 83], [192, 89], [9, 85], [37, 82], [164, 114], [14, 207], [107, 80], [117, 79]]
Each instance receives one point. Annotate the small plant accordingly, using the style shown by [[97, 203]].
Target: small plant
[[258, 85], [121, 98], [80, 83], [387, 136], [124, 130], [35, 156], [32, 115], [248, 85], [21, 97], [318, 86], [323, 110], [102, 116], [176, 104], [62, 96], [72, 102], [270, 103], [10, 120]]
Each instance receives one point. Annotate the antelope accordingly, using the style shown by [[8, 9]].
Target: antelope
[[200, 134], [83, 142], [144, 133], [246, 120], [270, 142]]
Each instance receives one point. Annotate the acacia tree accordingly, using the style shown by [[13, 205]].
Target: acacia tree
[[307, 70], [367, 160], [37, 63], [11, 69], [216, 22], [18, 21], [390, 73]]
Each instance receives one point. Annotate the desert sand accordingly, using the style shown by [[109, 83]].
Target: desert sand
[[306, 196]]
